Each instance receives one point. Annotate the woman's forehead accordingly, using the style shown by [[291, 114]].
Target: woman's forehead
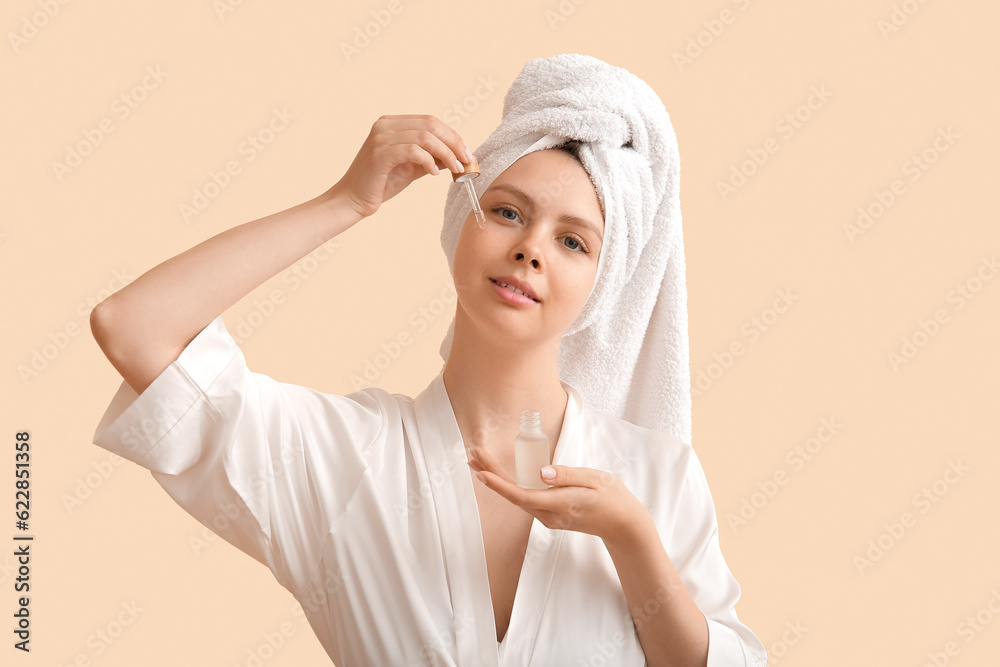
[[555, 179]]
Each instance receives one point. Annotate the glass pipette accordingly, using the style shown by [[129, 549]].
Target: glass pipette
[[471, 172]]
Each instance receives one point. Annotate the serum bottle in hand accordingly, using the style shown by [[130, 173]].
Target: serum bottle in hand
[[531, 451]]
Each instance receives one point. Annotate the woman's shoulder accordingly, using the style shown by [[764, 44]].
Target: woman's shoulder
[[634, 433], [637, 450], [372, 410]]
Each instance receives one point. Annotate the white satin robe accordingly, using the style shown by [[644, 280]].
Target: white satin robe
[[363, 507]]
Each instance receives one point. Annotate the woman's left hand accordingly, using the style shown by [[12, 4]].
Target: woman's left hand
[[581, 499]]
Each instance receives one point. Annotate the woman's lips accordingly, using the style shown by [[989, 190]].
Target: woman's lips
[[517, 284], [510, 296]]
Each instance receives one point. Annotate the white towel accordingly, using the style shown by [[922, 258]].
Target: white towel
[[627, 352]]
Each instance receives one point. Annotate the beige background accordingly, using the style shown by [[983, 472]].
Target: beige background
[[826, 357]]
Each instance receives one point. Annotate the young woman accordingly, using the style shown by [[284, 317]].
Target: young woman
[[396, 521]]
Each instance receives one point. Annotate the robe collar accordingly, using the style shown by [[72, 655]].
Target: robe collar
[[454, 497]]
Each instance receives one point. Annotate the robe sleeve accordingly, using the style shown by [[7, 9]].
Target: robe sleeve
[[267, 466], [698, 558]]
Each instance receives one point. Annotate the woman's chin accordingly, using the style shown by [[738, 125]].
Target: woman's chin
[[512, 329]]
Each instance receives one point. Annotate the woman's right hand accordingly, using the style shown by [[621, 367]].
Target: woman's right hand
[[399, 150]]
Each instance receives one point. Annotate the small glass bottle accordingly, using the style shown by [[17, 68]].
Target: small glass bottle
[[531, 451]]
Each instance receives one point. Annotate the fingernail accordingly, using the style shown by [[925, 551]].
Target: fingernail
[[472, 453], [480, 477], [548, 472], [468, 155]]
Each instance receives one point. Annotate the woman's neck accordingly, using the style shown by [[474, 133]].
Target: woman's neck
[[491, 382]]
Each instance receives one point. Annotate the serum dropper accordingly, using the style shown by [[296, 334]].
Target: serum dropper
[[471, 172], [531, 451]]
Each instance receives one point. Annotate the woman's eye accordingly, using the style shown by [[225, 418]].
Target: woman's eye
[[503, 209], [577, 245]]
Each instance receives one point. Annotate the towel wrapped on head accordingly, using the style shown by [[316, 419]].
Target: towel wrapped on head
[[627, 351]]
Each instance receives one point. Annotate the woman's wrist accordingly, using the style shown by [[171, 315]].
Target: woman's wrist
[[633, 535], [337, 211]]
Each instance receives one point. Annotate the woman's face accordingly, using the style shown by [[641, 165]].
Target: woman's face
[[544, 228]]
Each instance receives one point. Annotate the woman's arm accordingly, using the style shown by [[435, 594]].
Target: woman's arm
[[144, 326], [671, 627]]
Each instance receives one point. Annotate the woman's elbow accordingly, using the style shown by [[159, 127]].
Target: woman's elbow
[[100, 324]]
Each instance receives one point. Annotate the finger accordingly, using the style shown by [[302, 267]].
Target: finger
[[430, 142], [448, 135], [553, 500], [399, 122], [573, 476], [563, 476], [508, 489], [404, 153], [388, 124], [485, 461], [478, 468]]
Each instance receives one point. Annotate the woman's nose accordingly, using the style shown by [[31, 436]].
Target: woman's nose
[[534, 262], [528, 250]]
